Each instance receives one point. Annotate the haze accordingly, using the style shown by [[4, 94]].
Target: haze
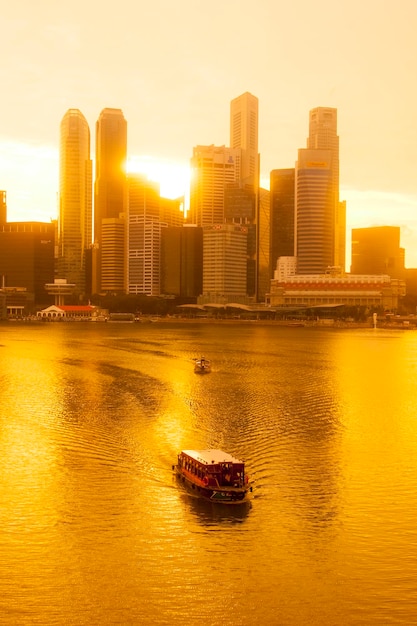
[[173, 67]]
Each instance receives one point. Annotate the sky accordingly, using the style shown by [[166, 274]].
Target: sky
[[174, 66]]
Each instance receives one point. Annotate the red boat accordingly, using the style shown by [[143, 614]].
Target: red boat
[[214, 475]]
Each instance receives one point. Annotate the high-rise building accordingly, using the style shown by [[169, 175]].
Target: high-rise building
[[182, 261], [225, 261], [75, 199], [110, 193], [3, 207], [282, 210], [214, 168], [376, 250], [323, 136], [27, 258], [144, 236], [244, 135], [320, 222], [314, 212]]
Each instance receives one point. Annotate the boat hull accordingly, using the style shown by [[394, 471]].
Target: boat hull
[[223, 495]]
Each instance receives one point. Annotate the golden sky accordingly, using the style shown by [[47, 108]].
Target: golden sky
[[173, 67]]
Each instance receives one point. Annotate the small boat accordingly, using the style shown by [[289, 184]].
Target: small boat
[[202, 366], [214, 475]]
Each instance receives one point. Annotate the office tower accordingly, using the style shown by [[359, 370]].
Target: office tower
[[27, 258], [319, 215], [314, 212], [182, 261], [282, 208], [225, 260], [3, 207], [75, 199], [244, 136], [144, 236], [110, 194], [263, 245], [323, 136], [376, 250], [213, 169]]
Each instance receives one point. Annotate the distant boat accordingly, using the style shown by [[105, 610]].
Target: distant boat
[[202, 366], [214, 475]]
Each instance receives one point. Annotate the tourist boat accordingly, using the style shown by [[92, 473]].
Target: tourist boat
[[202, 366], [214, 475]]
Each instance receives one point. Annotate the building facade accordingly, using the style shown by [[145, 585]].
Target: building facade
[[75, 199], [110, 194], [282, 212], [27, 258], [143, 236], [214, 168], [224, 263], [361, 290], [182, 261], [376, 250]]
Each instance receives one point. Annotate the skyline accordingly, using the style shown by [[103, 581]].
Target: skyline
[[174, 82]]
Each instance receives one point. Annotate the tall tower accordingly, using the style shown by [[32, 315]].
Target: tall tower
[[75, 199], [110, 194], [144, 236], [282, 206], [244, 135], [323, 136], [315, 212], [214, 168], [319, 219]]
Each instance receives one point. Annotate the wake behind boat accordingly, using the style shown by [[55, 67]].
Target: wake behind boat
[[214, 475], [202, 366]]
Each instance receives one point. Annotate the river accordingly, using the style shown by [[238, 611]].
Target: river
[[96, 530]]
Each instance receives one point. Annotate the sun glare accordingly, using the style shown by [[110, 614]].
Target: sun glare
[[173, 177]]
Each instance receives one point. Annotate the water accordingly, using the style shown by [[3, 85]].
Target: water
[[95, 530]]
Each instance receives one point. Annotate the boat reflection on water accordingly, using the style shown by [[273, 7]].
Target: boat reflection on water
[[210, 513]]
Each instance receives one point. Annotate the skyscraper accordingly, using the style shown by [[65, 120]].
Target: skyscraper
[[282, 207], [319, 215], [75, 199], [244, 135], [144, 236], [110, 197], [314, 212], [323, 136], [214, 168]]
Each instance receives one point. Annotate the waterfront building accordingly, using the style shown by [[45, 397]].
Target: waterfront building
[[75, 199], [27, 258], [335, 289], [376, 250], [182, 261], [110, 197], [320, 221], [143, 236], [225, 261]]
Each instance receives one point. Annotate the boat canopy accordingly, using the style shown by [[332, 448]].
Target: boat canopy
[[210, 457]]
